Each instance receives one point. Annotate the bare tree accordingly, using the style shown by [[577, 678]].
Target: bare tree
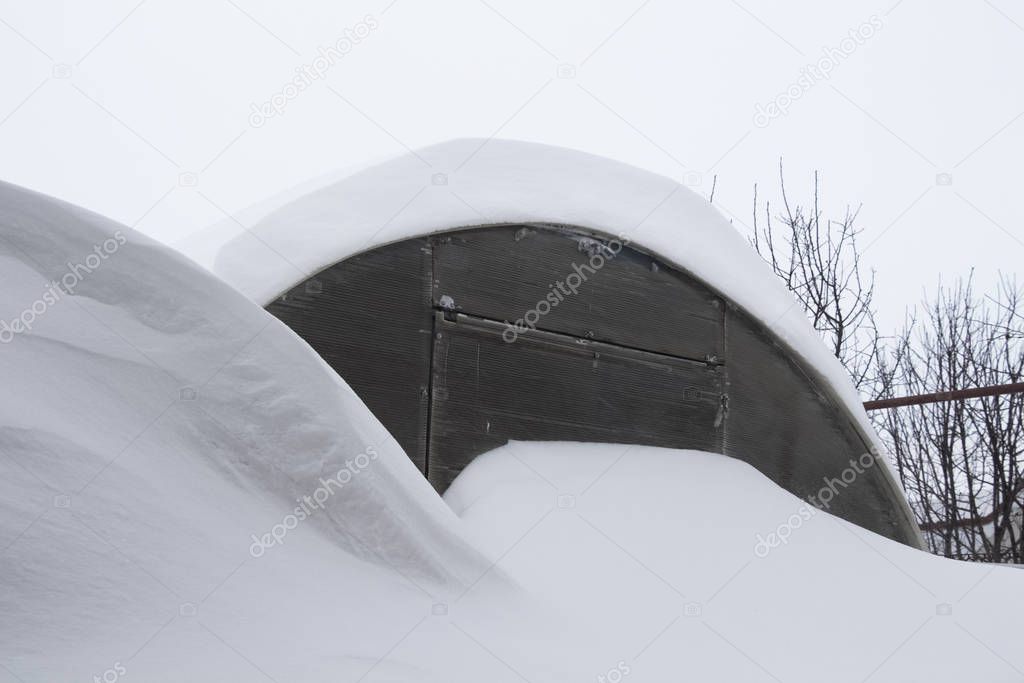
[[819, 261], [961, 461]]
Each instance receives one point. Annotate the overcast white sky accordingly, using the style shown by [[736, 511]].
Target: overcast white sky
[[111, 105]]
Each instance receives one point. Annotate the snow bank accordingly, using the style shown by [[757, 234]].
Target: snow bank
[[467, 183], [148, 402], [653, 550]]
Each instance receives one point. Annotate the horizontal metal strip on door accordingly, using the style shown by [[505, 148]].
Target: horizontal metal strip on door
[[545, 277], [548, 386]]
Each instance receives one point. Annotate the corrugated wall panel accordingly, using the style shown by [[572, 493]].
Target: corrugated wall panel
[[782, 425]]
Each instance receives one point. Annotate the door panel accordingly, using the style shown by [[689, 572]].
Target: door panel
[[503, 272], [547, 386]]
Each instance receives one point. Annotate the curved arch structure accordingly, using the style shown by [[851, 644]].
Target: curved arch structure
[[482, 291]]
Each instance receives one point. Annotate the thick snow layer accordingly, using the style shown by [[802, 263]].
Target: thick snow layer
[[158, 432], [149, 408], [475, 182], [659, 553]]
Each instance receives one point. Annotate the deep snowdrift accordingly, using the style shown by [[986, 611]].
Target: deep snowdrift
[[149, 407], [159, 435], [658, 552]]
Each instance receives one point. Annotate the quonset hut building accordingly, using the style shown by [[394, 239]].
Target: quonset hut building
[[477, 292]]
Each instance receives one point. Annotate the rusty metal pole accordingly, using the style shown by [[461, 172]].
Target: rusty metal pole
[[940, 396]]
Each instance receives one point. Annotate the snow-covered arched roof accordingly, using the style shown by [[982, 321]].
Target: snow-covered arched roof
[[474, 182]]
